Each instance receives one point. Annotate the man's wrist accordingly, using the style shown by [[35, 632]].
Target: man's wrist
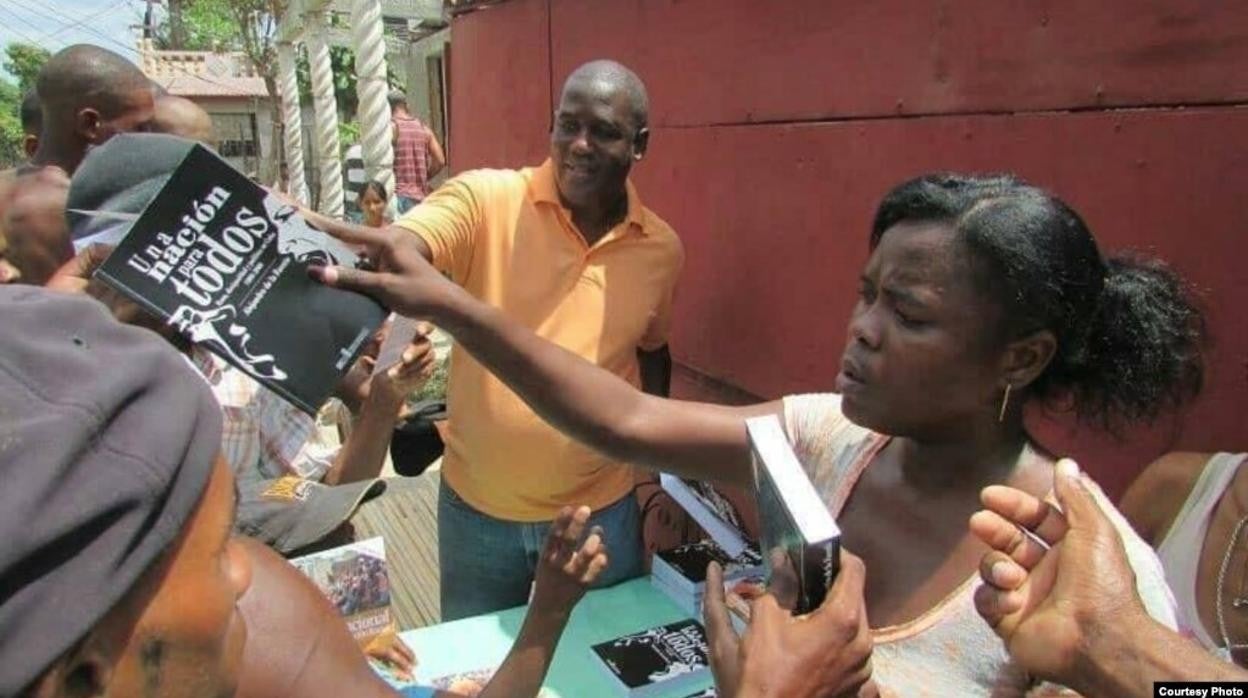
[[1115, 658], [455, 313]]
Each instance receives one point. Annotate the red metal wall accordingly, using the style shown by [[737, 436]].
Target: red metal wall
[[776, 131]]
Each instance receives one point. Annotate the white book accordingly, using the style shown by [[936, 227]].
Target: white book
[[716, 523], [797, 527]]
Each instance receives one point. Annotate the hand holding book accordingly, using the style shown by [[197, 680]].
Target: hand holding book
[[824, 653], [398, 275]]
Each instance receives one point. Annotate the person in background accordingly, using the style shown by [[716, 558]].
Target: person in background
[[980, 296], [418, 156], [180, 116], [87, 95], [570, 251], [373, 204], [1060, 593], [1193, 508], [32, 123]]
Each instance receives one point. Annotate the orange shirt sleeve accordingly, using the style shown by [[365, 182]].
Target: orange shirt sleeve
[[656, 335], [449, 221]]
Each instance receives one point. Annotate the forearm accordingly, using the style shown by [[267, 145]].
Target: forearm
[[364, 451], [595, 406], [1128, 657], [525, 667], [656, 371]]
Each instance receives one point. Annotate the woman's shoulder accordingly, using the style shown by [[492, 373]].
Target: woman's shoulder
[[831, 448], [1157, 495], [819, 416]]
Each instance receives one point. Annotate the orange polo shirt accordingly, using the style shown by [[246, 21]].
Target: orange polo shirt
[[503, 236]]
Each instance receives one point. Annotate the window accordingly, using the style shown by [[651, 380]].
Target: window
[[235, 135]]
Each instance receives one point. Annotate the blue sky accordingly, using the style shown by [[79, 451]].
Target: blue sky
[[55, 24]]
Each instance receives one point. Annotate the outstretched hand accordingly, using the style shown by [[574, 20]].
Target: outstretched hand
[[400, 277], [1055, 577], [568, 565], [824, 653]]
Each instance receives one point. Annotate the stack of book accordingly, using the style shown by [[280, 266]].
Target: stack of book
[[680, 572]]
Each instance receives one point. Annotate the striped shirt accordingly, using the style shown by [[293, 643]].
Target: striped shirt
[[353, 164], [261, 431], [411, 158]]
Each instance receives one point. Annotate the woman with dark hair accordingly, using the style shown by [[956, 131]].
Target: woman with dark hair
[[980, 295], [373, 202]]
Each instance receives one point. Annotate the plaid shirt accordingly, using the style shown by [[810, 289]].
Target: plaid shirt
[[411, 158], [261, 430]]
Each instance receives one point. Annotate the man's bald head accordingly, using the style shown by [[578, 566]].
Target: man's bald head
[[606, 78], [179, 116], [86, 75], [88, 95]]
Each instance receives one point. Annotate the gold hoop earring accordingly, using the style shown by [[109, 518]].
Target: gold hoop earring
[[1005, 400]]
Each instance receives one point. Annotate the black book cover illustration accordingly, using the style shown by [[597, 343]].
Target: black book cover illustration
[[224, 263], [691, 559], [677, 651]]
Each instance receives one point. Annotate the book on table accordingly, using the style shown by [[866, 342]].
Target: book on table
[[800, 539], [737, 596], [657, 661], [710, 509], [356, 580], [684, 566], [224, 262], [680, 573]]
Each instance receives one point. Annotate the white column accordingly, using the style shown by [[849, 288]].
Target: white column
[[326, 114], [292, 118], [373, 88]]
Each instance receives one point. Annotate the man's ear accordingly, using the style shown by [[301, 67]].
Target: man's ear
[[30, 143], [87, 124], [641, 141], [84, 672], [1026, 358]]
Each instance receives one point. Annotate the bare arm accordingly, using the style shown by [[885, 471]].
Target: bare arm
[[364, 451], [656, 371], [592, 405], [437, 158], [1154, 499], [1132, 654], [564, 572]]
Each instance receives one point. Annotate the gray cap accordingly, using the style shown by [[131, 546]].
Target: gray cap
[[289, 513], [116, 181], [107, 440]]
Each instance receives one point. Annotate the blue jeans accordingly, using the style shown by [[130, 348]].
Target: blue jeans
[[405, 203], [488, 564]]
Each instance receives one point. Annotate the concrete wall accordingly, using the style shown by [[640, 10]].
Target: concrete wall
[[776, 132]]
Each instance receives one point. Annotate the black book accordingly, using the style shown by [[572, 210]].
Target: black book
[[224, 263], [800, 539], [684, 567], [665, 659]]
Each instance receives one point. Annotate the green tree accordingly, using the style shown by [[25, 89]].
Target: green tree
[[24, 62], [10, 125]]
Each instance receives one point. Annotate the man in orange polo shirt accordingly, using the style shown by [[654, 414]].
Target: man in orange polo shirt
[[568, 249]]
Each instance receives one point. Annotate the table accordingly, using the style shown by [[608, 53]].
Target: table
[[483, 641]]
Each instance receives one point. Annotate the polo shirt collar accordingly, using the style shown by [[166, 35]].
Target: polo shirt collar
[[543, 189]]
